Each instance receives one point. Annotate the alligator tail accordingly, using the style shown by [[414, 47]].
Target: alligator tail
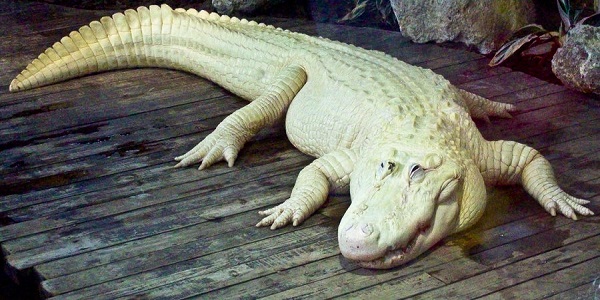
[[135, 38]]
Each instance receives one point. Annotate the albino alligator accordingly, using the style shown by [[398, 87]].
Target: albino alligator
[[400, 137]]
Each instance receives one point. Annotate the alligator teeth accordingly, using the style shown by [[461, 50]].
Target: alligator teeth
[[394, 254], [398, 252], [424, 228]]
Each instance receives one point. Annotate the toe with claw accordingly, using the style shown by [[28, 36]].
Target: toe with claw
[[222, 144], [567, 205], [280, 216]]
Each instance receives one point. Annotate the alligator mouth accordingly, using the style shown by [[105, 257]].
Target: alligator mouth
[[421, 239], [397, 255]]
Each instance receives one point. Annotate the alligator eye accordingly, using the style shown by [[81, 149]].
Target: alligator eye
[[416, 172]]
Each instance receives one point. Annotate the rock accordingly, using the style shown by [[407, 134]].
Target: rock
[[577, 62], [242, 7], [485, 24], [363, 13]]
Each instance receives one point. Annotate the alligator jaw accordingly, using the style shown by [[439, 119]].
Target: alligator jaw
[[398, 255]]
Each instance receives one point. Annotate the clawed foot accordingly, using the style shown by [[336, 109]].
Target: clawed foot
[[222, 144], [504, 110], [567, 205], [281, 215]]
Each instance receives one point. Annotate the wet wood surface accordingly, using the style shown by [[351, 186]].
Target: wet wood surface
[[91, 207]]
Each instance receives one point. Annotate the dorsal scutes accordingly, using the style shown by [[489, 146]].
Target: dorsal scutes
[[123, 40]]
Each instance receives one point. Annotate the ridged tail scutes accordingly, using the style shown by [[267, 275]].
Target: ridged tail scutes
[[134, 38], [112, 43]]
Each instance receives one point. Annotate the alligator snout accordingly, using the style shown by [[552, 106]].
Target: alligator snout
[[360, 241]]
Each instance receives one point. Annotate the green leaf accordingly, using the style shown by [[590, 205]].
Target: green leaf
[[385, 10], [576, 15], [593, 20], [548, 36], [510, 48], [564, 9], [526, 30], [356, 12]]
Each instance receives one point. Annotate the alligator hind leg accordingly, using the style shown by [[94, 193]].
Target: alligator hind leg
[[483, 108], [234, 131], [508, 162]]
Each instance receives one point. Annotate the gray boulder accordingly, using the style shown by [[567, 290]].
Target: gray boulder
[[484, 24], [243, 7], [577, 62]]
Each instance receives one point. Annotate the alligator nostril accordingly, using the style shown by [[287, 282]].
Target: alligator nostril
[[367, 229], [361, 242]]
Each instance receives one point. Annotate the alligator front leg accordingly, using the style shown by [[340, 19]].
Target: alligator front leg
[[234, 131], [508, 162], [331, 171]]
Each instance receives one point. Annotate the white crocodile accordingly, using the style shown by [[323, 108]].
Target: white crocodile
[[398, 136]]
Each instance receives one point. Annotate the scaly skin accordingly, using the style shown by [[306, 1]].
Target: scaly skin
[[400, 137]]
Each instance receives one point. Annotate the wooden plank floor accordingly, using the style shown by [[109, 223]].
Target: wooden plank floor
[[91, 208]]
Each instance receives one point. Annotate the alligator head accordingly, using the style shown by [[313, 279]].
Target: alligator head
[[404, 202]]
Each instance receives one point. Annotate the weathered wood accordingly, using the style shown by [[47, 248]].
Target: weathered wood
[[30, 250], [121, 101], [553, 283], [470, 70], [294, 247], [155, 191], [399, 287], [308, 251], [203, 246], [521, 271], [314, 271], [522, 242], [586, 291], [164, 242], [12, 6], [502, 84]]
